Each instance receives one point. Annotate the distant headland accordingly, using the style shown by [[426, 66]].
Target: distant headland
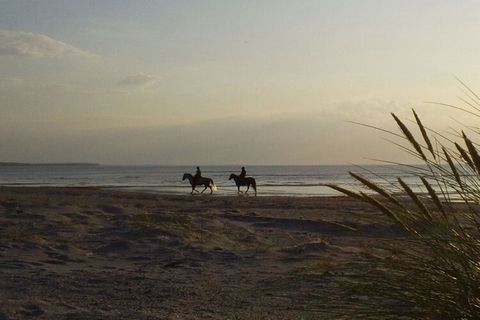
[[22, 164]]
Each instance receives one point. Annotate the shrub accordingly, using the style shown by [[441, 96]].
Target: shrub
[[434, 271]]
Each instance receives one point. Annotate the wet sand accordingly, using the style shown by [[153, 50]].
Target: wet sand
[[86, 253]]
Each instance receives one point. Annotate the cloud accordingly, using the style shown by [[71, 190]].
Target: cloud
[[27, 44], [293, 138], [283, 139], [138, 80]]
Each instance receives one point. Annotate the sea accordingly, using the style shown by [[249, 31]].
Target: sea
[[299, 181]]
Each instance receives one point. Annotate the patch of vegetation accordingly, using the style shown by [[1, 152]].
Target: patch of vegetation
[[434, 273], [19, 232], [207, 234]]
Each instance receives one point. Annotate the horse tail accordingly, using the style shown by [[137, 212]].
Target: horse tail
[[254, 185], [213, 185]]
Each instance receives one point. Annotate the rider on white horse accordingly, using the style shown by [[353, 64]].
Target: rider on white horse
[[198, 175]]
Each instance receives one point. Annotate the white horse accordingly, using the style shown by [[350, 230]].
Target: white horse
[[206, 182]]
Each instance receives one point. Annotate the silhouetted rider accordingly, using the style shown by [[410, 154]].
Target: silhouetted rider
[[198, 175], [243, 173]]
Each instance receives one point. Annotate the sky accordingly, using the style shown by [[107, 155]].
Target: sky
[[227, 82]]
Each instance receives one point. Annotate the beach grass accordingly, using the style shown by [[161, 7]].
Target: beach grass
[[434, 271]]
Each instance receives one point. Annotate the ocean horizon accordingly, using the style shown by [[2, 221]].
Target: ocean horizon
[[272, 180]]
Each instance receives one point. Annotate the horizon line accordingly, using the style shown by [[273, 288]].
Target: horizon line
[[79, 163]]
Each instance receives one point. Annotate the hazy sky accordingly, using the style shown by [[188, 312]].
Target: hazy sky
[[225, 82]]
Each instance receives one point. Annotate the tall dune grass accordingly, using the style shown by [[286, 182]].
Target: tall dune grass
[[433, 272]]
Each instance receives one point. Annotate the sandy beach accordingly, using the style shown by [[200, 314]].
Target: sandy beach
[[86, 253]]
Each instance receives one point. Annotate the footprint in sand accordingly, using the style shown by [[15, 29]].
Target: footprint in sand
[[114, 247], [111, 209], [51, 261], [3, 316], [31, 310]]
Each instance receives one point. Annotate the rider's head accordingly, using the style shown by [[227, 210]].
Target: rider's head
[[243, 168]]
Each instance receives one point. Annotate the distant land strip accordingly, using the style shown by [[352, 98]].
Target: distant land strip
[[21, 164]]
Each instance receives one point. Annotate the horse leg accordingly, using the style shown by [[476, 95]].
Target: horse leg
[[211, 189], [238, 187], [204, 188], [248, 187], [193, 189]]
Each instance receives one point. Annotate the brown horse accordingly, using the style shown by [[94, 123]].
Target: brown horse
[[247, 181], [206, 182]]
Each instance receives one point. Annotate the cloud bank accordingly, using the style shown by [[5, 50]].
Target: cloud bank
[[138, 80], [27, 44], [300, 139]]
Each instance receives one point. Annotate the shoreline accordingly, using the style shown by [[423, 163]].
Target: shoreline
[[271, 180], [186, 192]]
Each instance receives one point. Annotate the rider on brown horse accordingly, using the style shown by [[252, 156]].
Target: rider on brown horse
[[243, 173]]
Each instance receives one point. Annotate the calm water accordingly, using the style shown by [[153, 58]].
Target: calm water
[[271, 180]]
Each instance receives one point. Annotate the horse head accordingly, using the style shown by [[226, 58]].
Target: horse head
[[232, 176], [185, 176]]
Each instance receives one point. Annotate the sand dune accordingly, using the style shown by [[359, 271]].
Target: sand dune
[[71, 253]]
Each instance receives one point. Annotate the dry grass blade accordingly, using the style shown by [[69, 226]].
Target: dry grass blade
[[346, 192], [424, 134], [473, 152], [469, 103], [435, 274], [465, 156], [471, 92], [375, 188], [454, 107], [385, 210], [410, 137], [452, 168], [377, 128], [434, 196], [424, 210]]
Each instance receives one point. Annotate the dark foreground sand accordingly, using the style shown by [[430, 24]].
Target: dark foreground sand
[[70, 253]]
